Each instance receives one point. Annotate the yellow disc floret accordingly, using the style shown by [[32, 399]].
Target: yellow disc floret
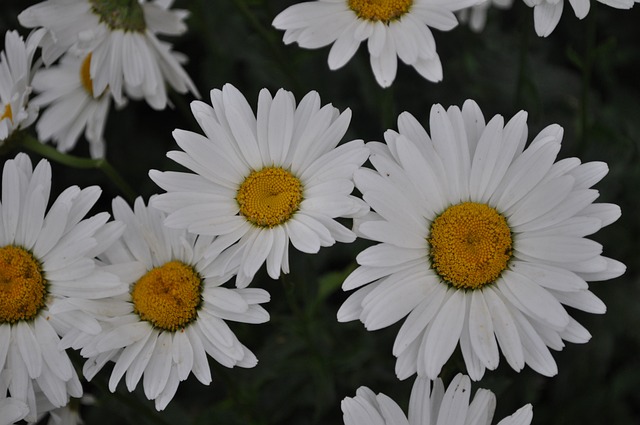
[[8, 113], [168, 296], [23, 288], [269, 197], [380, 10], [470, 245], [85, 75]]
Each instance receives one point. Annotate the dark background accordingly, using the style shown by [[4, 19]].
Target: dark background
[[584, 76]]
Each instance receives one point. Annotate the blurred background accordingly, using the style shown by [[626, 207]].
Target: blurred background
[[584, 76]]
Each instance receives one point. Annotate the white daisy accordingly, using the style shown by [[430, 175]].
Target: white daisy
[[48, 276], [393, 29], [12, 410], [174, 311], [262, 180], [476, 15], [121, 35], [65, 415], [15, 80], [430, 406], [547, 13], [73, 107], [482, 243]]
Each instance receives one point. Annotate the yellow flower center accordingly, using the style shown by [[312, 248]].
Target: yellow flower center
[[23, 288], [470, 245], [85, 75], [269, 197], [8, 113], [380, 10], [168, 296]]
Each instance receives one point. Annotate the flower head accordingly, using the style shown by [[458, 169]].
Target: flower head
[[482, 242], [264, 180], [121, 37], [49, 280], [393, 29], [72, 106], [547, 13], [173, 312], [476, 15], [430, 406], [15, 82]]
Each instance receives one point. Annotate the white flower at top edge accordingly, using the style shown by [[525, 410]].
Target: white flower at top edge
[[392, 28], [121, 34], [430, 406], [15, 81], [482, 242], [50, 280], [476, 16], [174, 312], [72, 106], [263, 180], [547, 13]]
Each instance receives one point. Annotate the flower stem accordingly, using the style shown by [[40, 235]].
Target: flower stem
[[30, 143]]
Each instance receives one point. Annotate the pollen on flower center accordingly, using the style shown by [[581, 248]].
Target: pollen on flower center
[[85, 75], [470, 245], [168, 296], [269, 197], [8, 113], [23, 288], [126, 15], [380, 10]]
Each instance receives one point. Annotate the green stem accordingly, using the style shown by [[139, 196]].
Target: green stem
[[49, 152]]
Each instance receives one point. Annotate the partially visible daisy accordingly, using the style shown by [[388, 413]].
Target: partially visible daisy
[[264, 180], [476, 15], [121, 35], [15, 82], [48, 276], [73, 107], [482, 242], [12, 410], [547, 13], [174, 311], [65, 415], [393, 29], [430, 406]]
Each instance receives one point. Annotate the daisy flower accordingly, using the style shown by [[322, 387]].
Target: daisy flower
[[173, 312], [393, 29], [482, 242], [49, 279], [11, 409], [15, 80], [547, 13], [264, 180], [121, 36], [476, 15], [67, 90], [430, 406]]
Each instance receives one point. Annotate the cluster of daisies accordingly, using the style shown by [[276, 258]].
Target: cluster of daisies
[[480, 239], [402, 28], [95, 53]]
